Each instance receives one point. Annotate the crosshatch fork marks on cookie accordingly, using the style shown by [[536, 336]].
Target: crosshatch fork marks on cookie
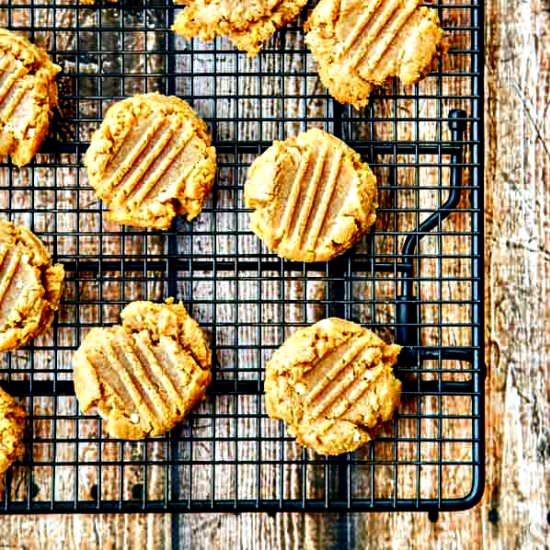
[[150, 160], [360, 45], [313, 197], [381, 31]]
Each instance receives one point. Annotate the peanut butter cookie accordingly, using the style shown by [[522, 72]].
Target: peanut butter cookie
[[360, 44], [333, 384], [30, 286], [28, 95], [151, 160], [12, 429], [312, 195], [145, 375], [247, 23]]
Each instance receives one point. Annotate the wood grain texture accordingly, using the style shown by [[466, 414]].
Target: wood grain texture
[[517, 267], [518, 385], [55, 196], [106, 531]]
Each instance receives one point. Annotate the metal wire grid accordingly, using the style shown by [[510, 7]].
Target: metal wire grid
[[417, 278]]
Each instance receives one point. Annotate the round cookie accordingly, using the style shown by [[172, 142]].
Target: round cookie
[[360, 44], [30, 286], [333, 384], [145, 375], [151, 160], [12, 429], [247, 23], [28, 95], [312, 196]]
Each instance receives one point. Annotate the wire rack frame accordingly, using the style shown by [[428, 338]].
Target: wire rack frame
[[416, 279]]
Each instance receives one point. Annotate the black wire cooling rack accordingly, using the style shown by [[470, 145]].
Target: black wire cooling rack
[[417, 278]]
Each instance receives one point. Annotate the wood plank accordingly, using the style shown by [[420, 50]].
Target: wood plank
[[265, 101], [101, 531], [55, 195], [518, 265]]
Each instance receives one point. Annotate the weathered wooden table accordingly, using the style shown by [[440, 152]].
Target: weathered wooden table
[[515, 511]]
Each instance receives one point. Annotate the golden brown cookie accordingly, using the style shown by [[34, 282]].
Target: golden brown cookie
[[333, 384], [151, 160], [360, 44], [145, 375], [12, 429], [312, 196], [247, 23], [28, 95], [30, 286]]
